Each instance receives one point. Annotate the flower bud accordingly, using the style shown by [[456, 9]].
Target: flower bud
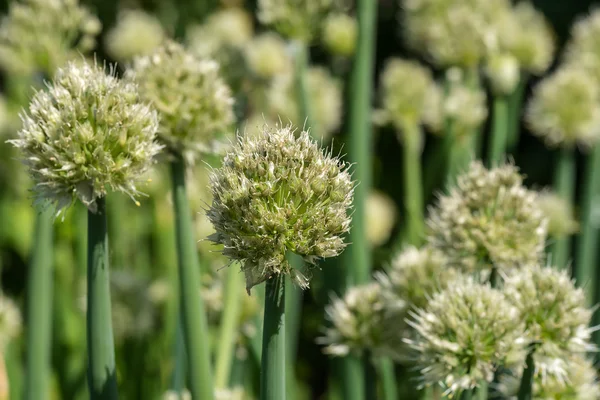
[[340, 32], [503, 73], [266, 56], [381, 217]]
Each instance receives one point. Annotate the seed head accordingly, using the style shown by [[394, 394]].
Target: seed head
[[565, 108], [415, 275], [297, 19], [10, 321], [488, 220], [463, 335], [42, 35], [381, 217], [194, 104], [325, 98], [404, 88], [364, 319], [339, 34], [87, 132], [583, 49], [136, 33], [559, 213], [277, 193], [266, 56]]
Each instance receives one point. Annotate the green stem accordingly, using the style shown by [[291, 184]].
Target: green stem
[[387, 377], [195, 326], [102, 378], [178, 377], [515, 108], [526, 386], [302, 95], [564, 183], [413, 184], [39, 309], [272, 374], [585, 273], [500, 116], [467, 394], [293, 314], [229, 327], [352, 370]]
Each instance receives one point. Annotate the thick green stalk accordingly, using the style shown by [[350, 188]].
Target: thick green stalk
[[39, 309], [195, 326], [272, 374], [387, 377], [585, 271], [515, 107], [229, 326], [302, 95], [178, 377], [102, 378], [564, 184], [413, 184], [352, 370], [500, 121], [526, 386]]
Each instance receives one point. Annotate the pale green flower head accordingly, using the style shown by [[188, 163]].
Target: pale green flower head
[[42, 35], [87, 132], [583, 49], [340, 32], [526, 34], [559, 212], [230, 26], [10, 321], [453, 32], [503, 73], [324, 95], [381, 217], [278, 192], [298, 19], [194, 103], [565, 108], [404, 89], [553, 309], [364, 319], [266, 56], [463, 334], [136, 33], [488, 220], [416, 274]]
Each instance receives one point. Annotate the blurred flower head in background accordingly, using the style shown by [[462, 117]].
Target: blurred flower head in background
[[559, 213], [195, 105], [583, 49], [363, 320], [340, 32], [324, 95], [10, 321], [136, 33], [266, 56], [463, 334], [502, 70], [39, 36], [380, 217], [488, 220], [86, 132], [565, 108], [278, 192]]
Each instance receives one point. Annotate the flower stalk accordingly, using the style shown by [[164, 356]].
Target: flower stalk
[[526, 385], [501, 120], [564, 181], [195, 327], [273, 366], [413, 184]]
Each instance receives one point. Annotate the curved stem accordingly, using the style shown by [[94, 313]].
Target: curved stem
[[39, 309], [102, 379], [497, 149], [564, 182], [195, 326], [272, 374]]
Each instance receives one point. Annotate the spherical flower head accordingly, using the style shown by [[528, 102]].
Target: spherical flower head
[[553, 309], [10, 321], [580, 382], [87, 132], [455, 32], [404, 89], [381, 217], [463, 335], [325, 98], [276, 193], [194, 103], [565, 108], [416, 274], [364, 319], [560, 214], [136, 33], [297, 19], [230, 26], [503, 73], [266, 56], [525, 34], [488, 220], [42, 35], [340, 32], [433, 110], [583, 49]]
